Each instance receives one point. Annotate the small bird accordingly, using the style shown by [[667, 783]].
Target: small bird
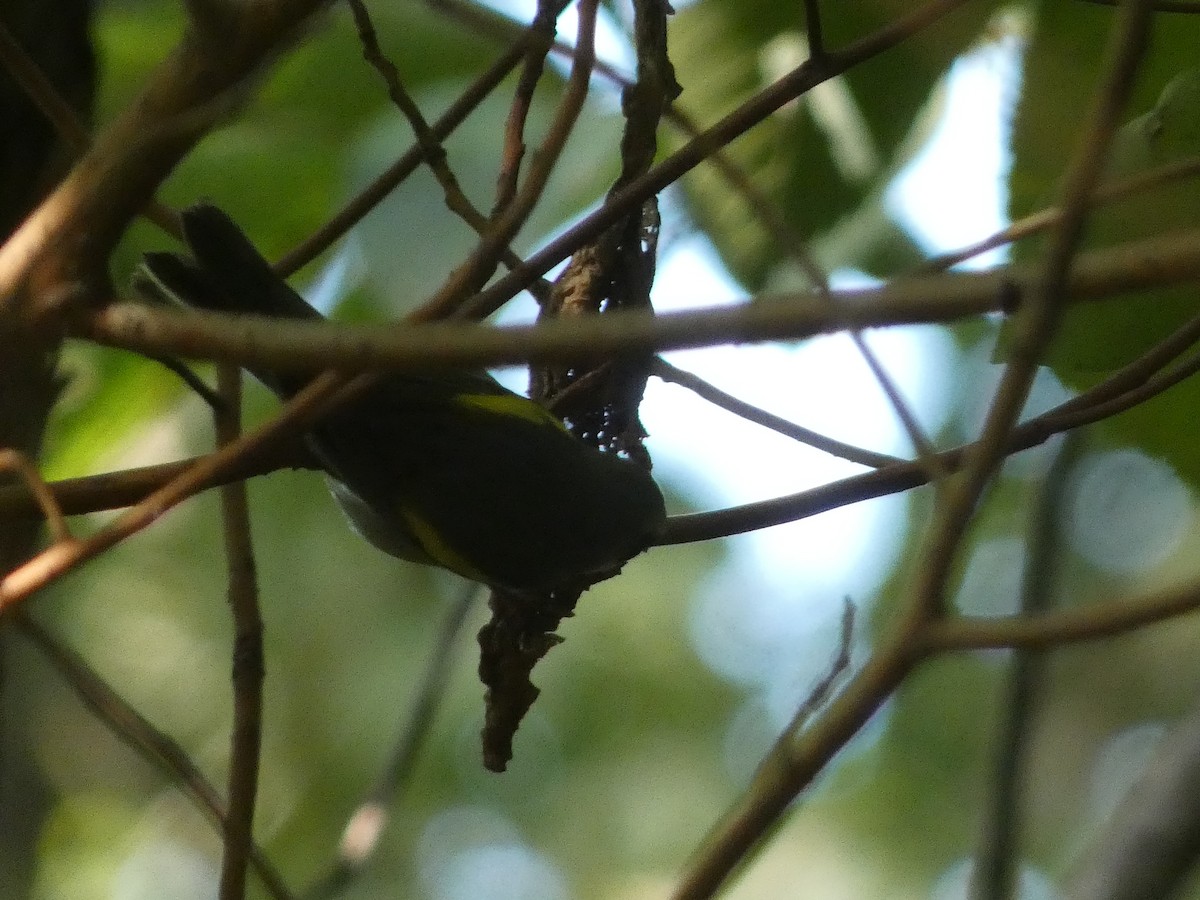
[[447, 468]]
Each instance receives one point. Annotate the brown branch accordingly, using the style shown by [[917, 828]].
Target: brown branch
[[427, 139], [1138, 381], [1045, 219], [471, 275], [714, 395], [798, 756], [47, 503], [57, 259], [630, 197], [55, 562], [1143, 378], [374, 193], [1090, 622], [305, 346], [1036, 320], [429, 143], [513, 151], [248, 667]]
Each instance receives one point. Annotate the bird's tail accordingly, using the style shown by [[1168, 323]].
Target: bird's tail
[[226, 273]]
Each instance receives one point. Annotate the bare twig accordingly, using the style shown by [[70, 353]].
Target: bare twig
[[1091, 622], [57, 260], [1036, 320], [513, 152], [996, 862], [838, 666], [427, 140], [1141, 379], [16, 461], [435, 154], [246, 736], [630, 197], [478, 267], [305, 346], [750, 413], [1045, 219], [798, 757], [60, 559], [368, 198]]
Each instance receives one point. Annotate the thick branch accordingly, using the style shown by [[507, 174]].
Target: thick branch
[[306, 346], [64, 245]]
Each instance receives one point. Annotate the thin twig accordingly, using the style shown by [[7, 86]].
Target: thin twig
[[513, 150], [15, 461], [55, 562], [306, 346], [996, 861], [194, 382], [374, 193], [1076, 624], [838, 666], [435, 154], [427, 140], [630, 197], [126, 487], [797, 757], [778, 424], [470, 276], [1045, 219], [1135, 383], [246, 735], [1037, 318]]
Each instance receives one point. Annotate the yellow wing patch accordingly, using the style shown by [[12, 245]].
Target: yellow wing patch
[[510, 405], [437, 549]]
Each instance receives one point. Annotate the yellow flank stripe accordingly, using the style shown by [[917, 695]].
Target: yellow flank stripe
[[510, 405], [437, 549]]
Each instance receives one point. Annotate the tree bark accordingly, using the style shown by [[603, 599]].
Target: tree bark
[[55, 34]]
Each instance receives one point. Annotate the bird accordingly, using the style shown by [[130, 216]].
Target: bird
[[447, 468]]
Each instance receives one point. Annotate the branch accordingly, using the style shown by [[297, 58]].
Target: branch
[[798, 756], [59, 255], [624, 201], [248, 667], [306, 346], [996, 867], [714, 395]]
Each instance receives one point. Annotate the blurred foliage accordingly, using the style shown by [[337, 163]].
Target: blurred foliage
[[632, 750], [826, 158], [1163, 112]]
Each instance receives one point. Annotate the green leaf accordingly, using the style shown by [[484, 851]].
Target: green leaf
[[823, 158], [1096, 338]]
